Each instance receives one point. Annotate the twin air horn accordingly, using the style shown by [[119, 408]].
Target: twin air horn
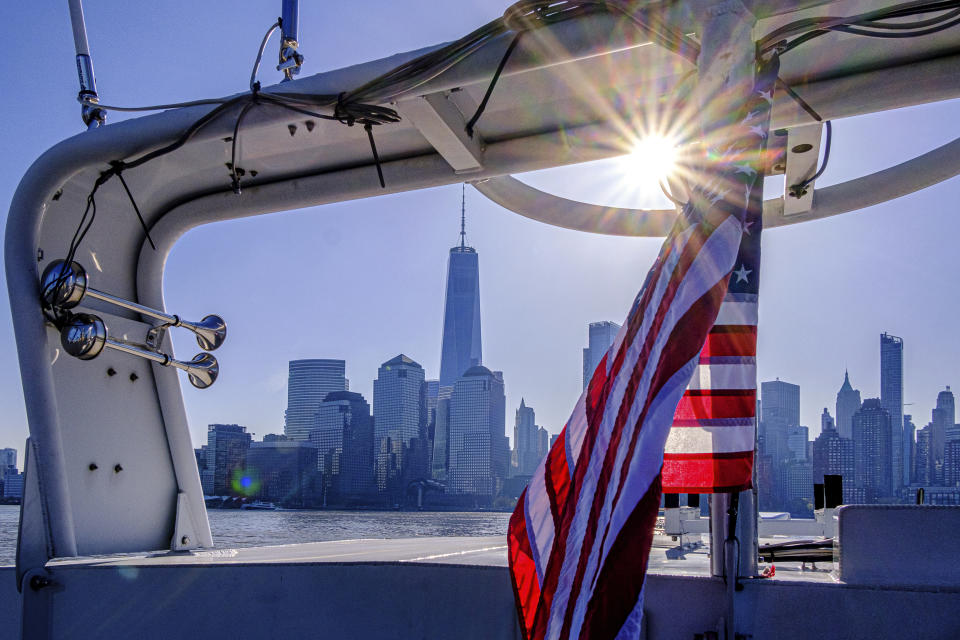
[[84, 335]]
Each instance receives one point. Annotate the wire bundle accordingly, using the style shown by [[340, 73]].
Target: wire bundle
[[871, 24], [361, 105]]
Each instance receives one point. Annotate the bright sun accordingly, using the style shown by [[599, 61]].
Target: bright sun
[[653, 157]]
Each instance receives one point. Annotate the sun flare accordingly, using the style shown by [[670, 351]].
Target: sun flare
[[652, 158]]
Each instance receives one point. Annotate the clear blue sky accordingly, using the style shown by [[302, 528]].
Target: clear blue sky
[[829, 287]]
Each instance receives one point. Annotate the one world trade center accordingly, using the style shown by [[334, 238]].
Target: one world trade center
[[461, 317]]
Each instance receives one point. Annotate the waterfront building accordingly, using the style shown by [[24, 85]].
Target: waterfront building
[[283, 471], [8, 458], [873, 471], [910, 451], [891, 399], [944, 416], [848, 403], [461, 347], [833, 455], [432, 392], [343, 435], [400, 428], [440, 461], [553, 439], [12, 482], [600, 335], [227, 446], [526, 442], [309, 383], [951, 464], [478, 451], [924, 468]]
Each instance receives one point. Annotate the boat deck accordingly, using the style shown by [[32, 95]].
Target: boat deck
[[666, 557]]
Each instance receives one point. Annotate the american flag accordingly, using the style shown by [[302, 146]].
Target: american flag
[[711, 444], [580, 536]]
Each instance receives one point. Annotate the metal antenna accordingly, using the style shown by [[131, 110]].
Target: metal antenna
[[463, 215], [93, 116]]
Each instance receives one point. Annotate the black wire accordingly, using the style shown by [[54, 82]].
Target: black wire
[[799, 189], [896, 34], [493, 83], [376, 156], [233, 147], [913, 25], [866, 24], [143, 224]]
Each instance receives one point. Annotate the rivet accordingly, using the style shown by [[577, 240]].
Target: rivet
[[310, 125], [117, 468], [111, 371], [134, 377], [292, 128], [93, 466], [184, 540]]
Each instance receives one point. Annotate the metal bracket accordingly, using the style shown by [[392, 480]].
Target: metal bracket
[[803, 152], [443, 125], [36, 590], [185, 535]]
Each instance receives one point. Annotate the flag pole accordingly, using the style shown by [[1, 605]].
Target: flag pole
[[725, 73]]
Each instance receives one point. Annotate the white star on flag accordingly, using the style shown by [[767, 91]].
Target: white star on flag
[[742, 273]]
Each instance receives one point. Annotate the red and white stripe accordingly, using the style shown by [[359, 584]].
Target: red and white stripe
[[711, 444]]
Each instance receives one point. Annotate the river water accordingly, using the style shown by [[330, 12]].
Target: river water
[[235, 528]]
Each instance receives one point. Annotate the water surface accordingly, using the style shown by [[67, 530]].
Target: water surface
[[236, 528]]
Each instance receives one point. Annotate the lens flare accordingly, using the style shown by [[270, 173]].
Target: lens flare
[[652, 158], [245, 482]]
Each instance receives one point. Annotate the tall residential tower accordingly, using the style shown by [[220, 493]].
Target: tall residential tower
[[891, 399]]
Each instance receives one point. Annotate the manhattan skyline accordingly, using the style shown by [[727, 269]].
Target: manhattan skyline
[[362, 281]]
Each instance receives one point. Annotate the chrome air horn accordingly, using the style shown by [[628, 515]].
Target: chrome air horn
[[65, 287], [84, 336]]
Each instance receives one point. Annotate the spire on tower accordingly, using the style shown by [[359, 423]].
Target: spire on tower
[[463, 215]]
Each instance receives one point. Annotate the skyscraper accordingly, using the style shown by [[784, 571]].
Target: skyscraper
[[344, 439], [309, 383], [526, 441], [477, 441], [848, 403], [872, 453], [227, 446], [600, 336], [891, 399], [944, 417], [8, 458], [780, 400], [833, 455], [461, 347], [281, 470], [400, 425], [440, 462]]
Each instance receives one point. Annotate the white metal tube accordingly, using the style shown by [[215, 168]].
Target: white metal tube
[[79, 28]]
